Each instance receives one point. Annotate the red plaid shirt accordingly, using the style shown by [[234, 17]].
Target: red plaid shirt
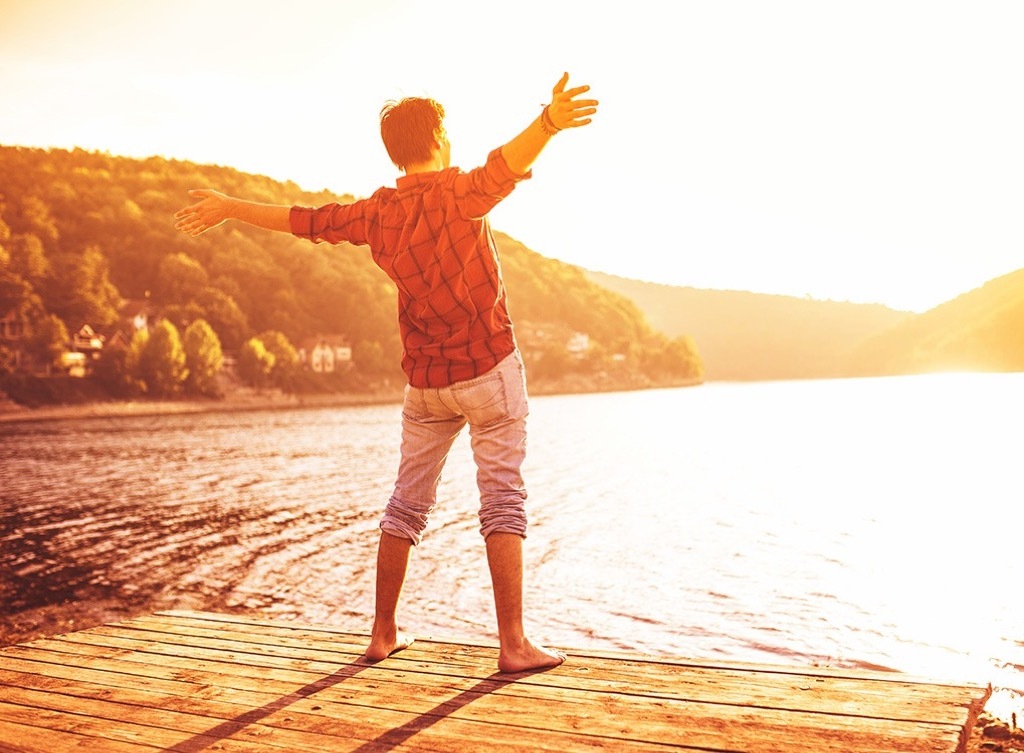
[[432, 237]]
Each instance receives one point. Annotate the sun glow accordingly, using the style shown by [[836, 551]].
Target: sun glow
[[710, 164]]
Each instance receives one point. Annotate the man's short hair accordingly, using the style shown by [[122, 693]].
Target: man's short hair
[[409, 128]]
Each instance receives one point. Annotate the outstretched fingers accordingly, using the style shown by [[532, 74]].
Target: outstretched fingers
[[186, 211], [572, 113], [190, 226], [204, 214], [566, 110], [574, 92], [581, 113], [560, 86], [190, 221]]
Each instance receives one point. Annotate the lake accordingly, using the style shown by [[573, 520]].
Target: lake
[[861, 522]]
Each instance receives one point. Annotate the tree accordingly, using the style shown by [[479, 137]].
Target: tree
[[134, 359], [286, 359], [370, 358], [162, 364], [677, 358], [17, 296], [79, 290], [113, 373], [136, 349], [204, 358], [28, 258], [182, 315], [47, 339], [255, 362], [36, 218], [550, 361], [224, 315], [180, 279], [14, 291]]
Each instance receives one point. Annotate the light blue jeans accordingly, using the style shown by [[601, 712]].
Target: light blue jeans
[[495, 407]]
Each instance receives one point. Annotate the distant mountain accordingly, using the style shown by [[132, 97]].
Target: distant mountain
[[744, 336], [981, 330], [750, 336]]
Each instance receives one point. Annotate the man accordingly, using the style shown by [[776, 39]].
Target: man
[[430, 234]]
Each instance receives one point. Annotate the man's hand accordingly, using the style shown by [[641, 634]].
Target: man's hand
[[213, 208], [209, 212], [565, 111]]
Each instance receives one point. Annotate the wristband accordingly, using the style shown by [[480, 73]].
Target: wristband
[[547, 124]]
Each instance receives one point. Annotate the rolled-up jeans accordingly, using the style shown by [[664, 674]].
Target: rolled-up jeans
[[495, 406]]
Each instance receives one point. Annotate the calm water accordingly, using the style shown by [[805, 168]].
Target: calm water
[[870, 522]]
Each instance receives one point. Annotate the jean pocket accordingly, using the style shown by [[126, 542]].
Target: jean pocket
[[483, 401], [415, 407]]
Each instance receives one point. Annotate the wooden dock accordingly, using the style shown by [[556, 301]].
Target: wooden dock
[[190, 681]]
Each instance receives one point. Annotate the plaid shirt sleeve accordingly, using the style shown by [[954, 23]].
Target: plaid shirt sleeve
[[333, 223], [479, 191]]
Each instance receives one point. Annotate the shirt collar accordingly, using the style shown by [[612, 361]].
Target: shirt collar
[[416, 179]]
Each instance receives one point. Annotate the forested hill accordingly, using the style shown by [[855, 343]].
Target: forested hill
[[981, 330], [82, 231], [743, 335], [749, 336]]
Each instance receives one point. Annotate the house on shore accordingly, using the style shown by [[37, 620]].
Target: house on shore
[[84, 348], [326, 354]]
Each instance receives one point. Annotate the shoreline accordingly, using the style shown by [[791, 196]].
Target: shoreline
[[11, 412], [14, 413]]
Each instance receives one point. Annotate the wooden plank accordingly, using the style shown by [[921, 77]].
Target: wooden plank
[[660, 722], [823, 695], [31, 738], [67, 676], [95, 733], [257, 626], [273, 718], [160, 714], [888, 682], [200, 679], [765, 687], [915, 733]]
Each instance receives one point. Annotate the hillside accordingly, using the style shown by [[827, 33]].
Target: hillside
[[80, 232], [750, 336], [744, 335], [981, 330]]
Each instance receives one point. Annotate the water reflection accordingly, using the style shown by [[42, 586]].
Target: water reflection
[[189, 509], [841, 522]]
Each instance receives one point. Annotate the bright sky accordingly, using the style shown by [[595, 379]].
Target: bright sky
[[868, 150]]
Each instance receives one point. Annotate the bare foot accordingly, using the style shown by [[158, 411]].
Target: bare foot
[[382, 646], [527, 656]]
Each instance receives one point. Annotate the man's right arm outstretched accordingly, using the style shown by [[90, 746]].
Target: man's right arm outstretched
[[214, 208]]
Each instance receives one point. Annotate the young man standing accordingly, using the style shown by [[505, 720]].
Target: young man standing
[[431, 235]]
